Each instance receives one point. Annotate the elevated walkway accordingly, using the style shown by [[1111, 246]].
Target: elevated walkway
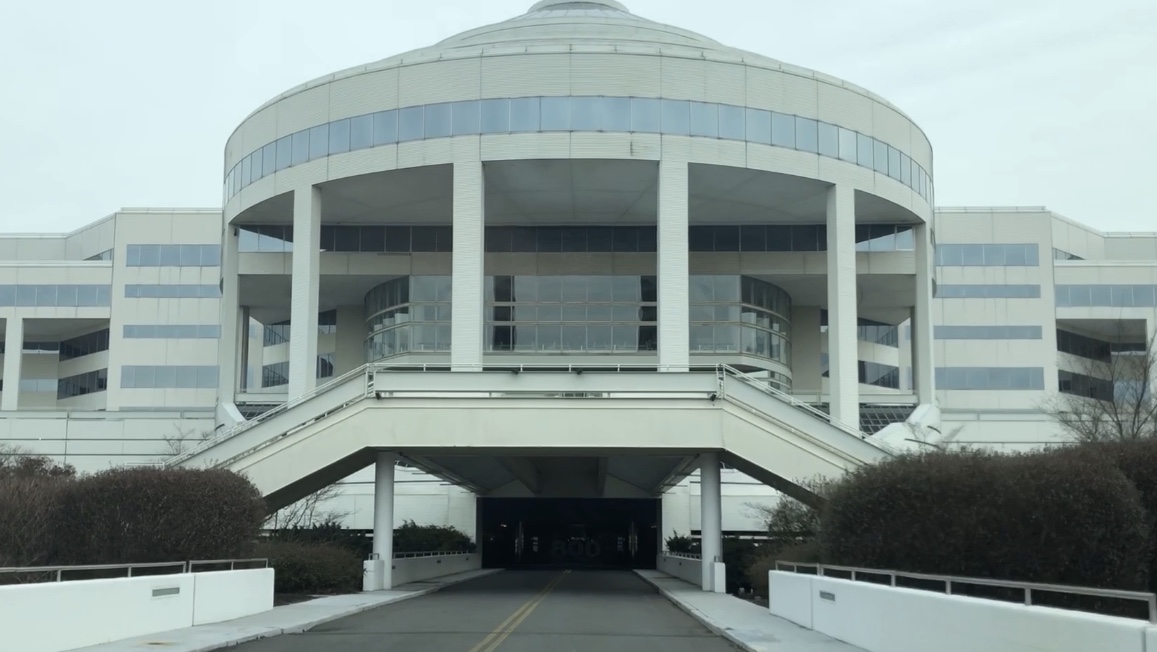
[[482, 429]]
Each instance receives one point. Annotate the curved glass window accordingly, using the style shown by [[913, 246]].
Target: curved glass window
[[571, 314], [571, 239], [740, 315], [410, 314], [583, 114]]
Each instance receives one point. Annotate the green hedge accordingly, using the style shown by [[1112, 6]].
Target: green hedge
[[155, 515], [312, 567], [411, 537], [1137, 460], [1053, 518]]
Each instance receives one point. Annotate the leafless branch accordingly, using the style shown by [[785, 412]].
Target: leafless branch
[[1117, 404], [308, 511], [790, 518]]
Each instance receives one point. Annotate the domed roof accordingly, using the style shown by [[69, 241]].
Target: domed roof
[[594, 22], [578, 26]]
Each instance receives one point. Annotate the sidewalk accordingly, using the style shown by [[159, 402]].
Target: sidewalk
[[290, 619], [746, 625]]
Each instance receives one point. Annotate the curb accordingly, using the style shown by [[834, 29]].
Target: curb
[[297, 629], [711, 625], [269, 631]]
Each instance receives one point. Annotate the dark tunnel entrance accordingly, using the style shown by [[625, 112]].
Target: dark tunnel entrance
[[593, 533]]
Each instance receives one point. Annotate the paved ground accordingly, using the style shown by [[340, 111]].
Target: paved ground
[[750, 626], [516, 611]]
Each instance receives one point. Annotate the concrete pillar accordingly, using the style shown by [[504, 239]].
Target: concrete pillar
[[350, 339], [904, 359], [13, 357], [232, 331], [710, 517], [1151, 356], [469, 255], [478, 525], [384, 521], [805, 350], [674, 265], [245, 337], [843, 349], [923, 364], [305, 283]]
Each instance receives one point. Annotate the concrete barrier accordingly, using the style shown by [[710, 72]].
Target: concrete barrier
[[416, 569], [226, 595], [685, 568], [58, 616], [790, 597], [887, 619]]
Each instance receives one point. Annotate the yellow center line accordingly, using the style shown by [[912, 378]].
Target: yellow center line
[[496, 637]]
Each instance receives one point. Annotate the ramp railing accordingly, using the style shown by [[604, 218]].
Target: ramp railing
[[951, 585], [368, 387]]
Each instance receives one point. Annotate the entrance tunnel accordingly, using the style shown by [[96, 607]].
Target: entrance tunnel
[[580, 533]]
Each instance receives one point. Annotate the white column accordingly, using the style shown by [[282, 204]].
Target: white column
[[13, 356], [907, 359], [384, 516], [674, 264], [710, 518], [923, 364], [245, 337], [805, 350], [469, 253], [350, 339], [1151, 343], [843, 350], [230, 345], [305, 282]]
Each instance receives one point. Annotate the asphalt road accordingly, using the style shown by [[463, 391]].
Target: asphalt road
[[516, 611]]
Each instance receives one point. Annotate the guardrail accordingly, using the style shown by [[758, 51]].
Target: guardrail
[[858, 575], [792, 401], [233, 563], [250, 423], [683, 555], [423, 555], [177, 568], [367, 372]]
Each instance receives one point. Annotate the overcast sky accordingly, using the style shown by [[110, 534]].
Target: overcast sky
[[128, 102]]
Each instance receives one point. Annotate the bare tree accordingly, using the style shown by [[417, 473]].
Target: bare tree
[[1109, 398], [308, 511], [29, 490], [178, 442], [790, 519]]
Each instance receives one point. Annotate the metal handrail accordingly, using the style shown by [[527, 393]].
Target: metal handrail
[[181, 566], [684, 555], [793, 401], [264, 561], [433, 553], [1028, 587], [368, 370], [261, 418], [545, 366], [58, 571]]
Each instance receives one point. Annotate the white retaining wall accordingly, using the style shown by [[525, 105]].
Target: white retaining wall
[[416, 569], [886, 619], [226, 595], [58, 616], [688, 570]]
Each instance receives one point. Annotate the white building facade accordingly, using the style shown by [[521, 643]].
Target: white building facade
[[576, 186]]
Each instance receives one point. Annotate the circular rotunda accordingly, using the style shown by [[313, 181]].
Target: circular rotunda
[[580, 185]]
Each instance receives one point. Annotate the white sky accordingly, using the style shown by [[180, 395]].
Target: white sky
[[128, 102]]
